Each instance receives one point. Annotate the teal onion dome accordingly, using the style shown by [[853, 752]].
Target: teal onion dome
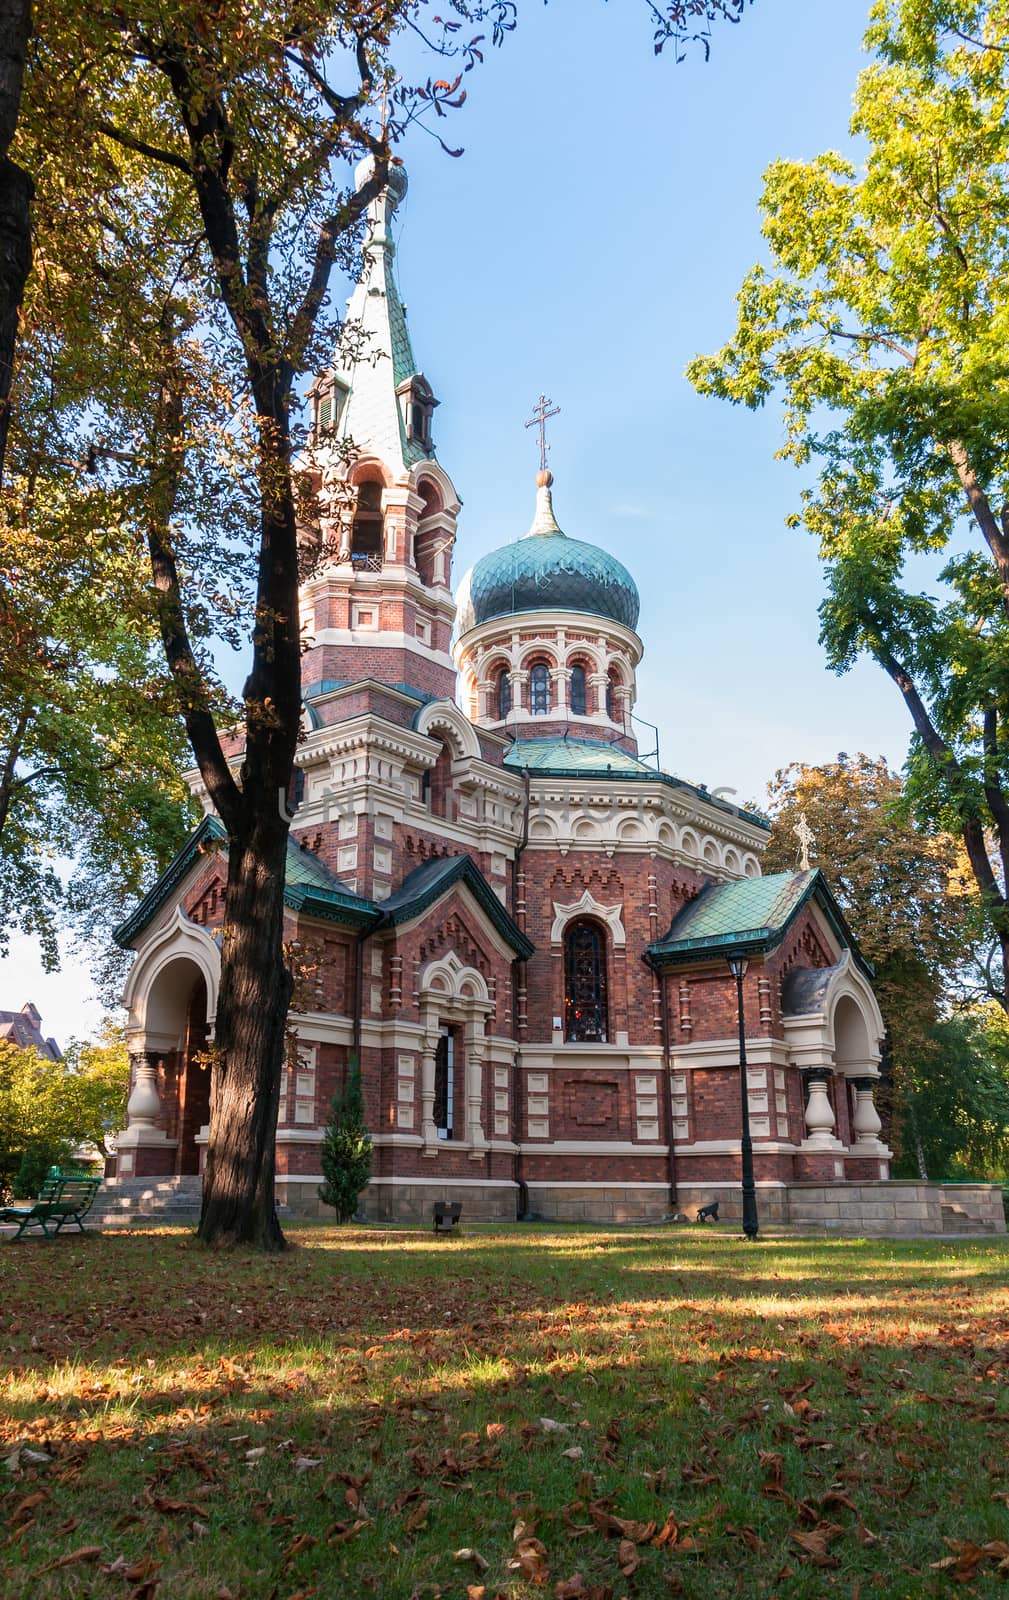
[[547, 571]]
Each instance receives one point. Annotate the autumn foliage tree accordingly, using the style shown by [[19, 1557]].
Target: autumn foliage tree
[[883, 318], [901, 888], [192, 168]]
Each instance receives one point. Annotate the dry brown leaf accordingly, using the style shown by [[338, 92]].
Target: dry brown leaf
[[814, 1544], [667, 1534], [418, 1516], [627, 1555], [572, 1588], [87, 1552], [530, 1559], [469, 1554]]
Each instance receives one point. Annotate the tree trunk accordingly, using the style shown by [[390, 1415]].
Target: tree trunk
[[249, 1048], [16, 191]]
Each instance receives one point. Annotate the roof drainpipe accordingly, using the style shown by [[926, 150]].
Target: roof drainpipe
[[667, 1067], [521, 1188]]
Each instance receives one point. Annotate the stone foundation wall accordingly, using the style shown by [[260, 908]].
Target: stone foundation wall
[[613, 1203], [772, 1201], [897, 1207]]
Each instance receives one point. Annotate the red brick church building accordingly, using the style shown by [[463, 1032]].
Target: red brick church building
[[520, 924]]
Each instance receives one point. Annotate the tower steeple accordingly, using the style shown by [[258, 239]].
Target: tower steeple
[[378, 603], [375, 397]]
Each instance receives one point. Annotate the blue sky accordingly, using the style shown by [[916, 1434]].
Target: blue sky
[[589, 242]]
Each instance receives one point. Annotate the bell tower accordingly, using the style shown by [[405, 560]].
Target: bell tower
[[377, 540]]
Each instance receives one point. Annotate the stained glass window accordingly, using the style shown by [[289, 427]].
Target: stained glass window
[[504, 693], [539, 690], [586, 1018], [576, 692]]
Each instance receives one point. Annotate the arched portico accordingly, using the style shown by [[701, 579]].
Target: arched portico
[[171, 996], [834, 1030]]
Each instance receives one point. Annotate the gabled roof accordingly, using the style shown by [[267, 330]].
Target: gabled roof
[[428, 882], [310, 887], [748, 916]]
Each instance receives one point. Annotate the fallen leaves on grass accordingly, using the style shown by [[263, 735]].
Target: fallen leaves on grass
[[967, 1557], [87, 1552]]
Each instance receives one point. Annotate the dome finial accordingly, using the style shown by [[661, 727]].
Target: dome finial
[[544, 522]]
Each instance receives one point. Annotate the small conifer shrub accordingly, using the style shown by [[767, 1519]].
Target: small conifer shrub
[[346, 1149]]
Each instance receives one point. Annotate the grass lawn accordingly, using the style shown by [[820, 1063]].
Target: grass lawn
[[521, 1412]]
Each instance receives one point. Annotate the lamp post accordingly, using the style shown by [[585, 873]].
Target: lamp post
[[738, 966]]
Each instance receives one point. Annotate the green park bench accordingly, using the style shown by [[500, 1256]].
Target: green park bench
[[64, 1197]]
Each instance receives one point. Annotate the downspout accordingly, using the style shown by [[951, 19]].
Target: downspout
[[521, 1191], [667, 1067]]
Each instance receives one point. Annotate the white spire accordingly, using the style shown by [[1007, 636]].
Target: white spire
[[374, 358], [544, 521]]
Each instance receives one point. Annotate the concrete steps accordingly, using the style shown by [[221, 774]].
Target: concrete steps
[[956, 1220], [123, 1202]]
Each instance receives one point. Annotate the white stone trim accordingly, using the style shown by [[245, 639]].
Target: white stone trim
[[441, 1183], [730, 1147], [571, 1183], [588, 906], [593, 1147], [178, 939], [377, 639]]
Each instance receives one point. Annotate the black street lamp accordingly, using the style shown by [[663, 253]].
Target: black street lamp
[[738, 966]]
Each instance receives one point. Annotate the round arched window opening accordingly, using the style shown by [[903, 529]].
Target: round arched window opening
[[586, 1015], [366, 533], [577, 697], [504, 693], [539, 690]]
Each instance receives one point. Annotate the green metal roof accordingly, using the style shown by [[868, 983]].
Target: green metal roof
[[310, 887], [749, 916], [573, 755], [428, 882]]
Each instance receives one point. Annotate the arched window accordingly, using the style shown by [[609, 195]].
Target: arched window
[[585, 1010], [576, 692], [444, 1084], [504, 693], [366, 534], [539, 690]]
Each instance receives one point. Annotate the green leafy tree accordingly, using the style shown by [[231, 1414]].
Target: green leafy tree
[[346, 1150], [955, 1101], [883, 319], [50, 1108], [192, 170]]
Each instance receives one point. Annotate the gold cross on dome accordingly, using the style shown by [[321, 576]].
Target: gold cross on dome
[[541, 411]]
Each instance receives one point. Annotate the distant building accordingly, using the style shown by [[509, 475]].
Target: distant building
[[24, 1028]]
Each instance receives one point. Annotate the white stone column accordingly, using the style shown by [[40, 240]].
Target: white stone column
[[428, 1130], [819, 1114], [559, 681], [597, 682], [865, 1122], [142, 1133], [474, 1046]]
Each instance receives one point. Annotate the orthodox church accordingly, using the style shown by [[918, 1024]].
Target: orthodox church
[[517, 925]]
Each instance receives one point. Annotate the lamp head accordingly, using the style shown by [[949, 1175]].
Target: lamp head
[[737, 966]]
